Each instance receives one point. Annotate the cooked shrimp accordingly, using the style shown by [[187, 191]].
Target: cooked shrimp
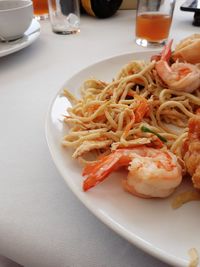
[[179, 76], [188, 49], [152, 173], [192, 156]]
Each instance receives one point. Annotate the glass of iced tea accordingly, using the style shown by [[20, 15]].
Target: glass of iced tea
[[153, 21], [40, 9]]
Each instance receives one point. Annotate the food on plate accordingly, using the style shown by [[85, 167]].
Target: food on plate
[[188, 49], [194, 257], [179, 76], [185, 197], [192, 148], [151, 172], [145, 120]]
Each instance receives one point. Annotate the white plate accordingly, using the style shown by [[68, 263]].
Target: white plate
[[152, 225], [29, 37]]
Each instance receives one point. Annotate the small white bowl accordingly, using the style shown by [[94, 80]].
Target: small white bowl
[[15, 18]]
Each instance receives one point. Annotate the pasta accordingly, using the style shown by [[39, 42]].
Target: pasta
[[136, 108]]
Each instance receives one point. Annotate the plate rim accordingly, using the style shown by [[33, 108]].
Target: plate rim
[[133, 238], [24, 43]]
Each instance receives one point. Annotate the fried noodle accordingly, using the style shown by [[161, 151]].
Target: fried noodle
[[112, 115]]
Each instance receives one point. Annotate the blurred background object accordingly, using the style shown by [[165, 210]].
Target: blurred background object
[[101, 8], [64, 16], [192, 6], [11, 13], [40, 9], [128, 4]]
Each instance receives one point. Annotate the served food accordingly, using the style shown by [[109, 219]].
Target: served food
[[152, 173], [192, 150], [188, 49], [147, 120]]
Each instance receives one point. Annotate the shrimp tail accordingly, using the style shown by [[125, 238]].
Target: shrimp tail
[[96, 172], [166, 52]]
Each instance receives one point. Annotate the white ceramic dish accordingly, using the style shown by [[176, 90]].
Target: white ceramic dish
[[28, 38], [15, 18], [152, 225]]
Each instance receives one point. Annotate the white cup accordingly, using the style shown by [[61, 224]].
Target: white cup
[[15, 18]]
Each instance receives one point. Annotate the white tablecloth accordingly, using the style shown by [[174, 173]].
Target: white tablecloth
[[42, 224]]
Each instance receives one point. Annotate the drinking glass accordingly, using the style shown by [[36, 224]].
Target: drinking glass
[[153, 21], [40, 9], [64, 16]]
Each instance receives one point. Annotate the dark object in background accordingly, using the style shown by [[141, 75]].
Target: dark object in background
[[192, 6], [66, 6], [101, 8]]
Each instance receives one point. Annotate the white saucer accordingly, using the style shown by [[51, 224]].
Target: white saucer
[[29, 37]]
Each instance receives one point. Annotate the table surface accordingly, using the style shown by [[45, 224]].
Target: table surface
[[42, 223]]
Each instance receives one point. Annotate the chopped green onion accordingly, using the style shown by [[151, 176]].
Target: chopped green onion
[[147, 130]]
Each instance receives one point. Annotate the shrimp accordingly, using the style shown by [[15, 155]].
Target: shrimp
[[151, 172], [179, 76], [192, 155], [188, 49]]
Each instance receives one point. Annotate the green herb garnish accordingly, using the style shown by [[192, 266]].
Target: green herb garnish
[[147, 130]]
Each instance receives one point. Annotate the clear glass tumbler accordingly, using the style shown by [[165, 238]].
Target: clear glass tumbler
[[153, 21], [64, 16]]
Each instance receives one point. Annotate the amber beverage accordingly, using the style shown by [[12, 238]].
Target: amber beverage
[[153, 27], [153, 21], [40, 8]]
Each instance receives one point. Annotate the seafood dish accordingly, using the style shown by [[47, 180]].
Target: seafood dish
[[146, 120]]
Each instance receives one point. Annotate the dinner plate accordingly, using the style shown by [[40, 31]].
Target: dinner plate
[[31, 34], [151, 224]]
